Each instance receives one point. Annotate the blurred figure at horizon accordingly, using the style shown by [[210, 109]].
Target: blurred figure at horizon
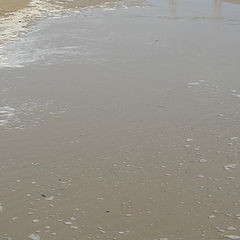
[[173, 7], [218, 6]]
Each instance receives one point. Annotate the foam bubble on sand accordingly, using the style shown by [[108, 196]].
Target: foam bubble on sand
[[49, 198], [35, 221], [109, 8], [236, 95], [68, 223], [231, 228], [202, 160], [34, 236], [230, 166], [193, 83], [27, 114], [74, 227], [232, 237], [6, 114]]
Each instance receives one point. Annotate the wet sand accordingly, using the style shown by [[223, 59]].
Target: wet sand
[[16, 19], [122, 123], [9, 6]]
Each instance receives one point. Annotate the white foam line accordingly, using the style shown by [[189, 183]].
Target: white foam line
[[15, 23]]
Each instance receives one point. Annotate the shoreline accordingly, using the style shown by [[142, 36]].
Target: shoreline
[[14, 23]]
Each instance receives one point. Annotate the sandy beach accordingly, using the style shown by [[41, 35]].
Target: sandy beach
[[120, 121], [9, 6]]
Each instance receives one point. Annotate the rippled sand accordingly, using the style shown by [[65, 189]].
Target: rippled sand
[[122, 122]]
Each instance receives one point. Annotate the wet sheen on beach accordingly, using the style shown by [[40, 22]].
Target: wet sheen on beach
[[120, 120]]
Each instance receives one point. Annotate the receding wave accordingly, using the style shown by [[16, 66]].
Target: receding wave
[[14, 24]]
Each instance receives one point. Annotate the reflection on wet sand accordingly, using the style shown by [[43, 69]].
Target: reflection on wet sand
[[173, 6], [232, 1], [218, 6]]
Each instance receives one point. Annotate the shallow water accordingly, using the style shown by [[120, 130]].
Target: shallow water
[[19, 16], [122, 122]]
